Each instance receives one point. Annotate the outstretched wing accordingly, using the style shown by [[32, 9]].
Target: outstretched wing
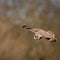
[[34, 30], [25, 26], [30, 29]]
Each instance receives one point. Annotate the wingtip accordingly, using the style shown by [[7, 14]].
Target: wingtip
[[24, 26], [51, 40], [54, 40]]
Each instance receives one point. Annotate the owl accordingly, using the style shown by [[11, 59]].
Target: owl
[[41, 34]]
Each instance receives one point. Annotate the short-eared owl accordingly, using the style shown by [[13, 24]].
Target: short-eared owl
[[40, 33]]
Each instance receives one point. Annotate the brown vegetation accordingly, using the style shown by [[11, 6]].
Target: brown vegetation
[[18, 44]]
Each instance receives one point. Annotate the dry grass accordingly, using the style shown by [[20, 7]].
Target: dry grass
[[18, 44]]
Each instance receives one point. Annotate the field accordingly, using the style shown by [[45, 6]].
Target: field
[[17, 43]]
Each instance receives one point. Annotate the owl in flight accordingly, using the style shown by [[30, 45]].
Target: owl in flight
[[40, 34]]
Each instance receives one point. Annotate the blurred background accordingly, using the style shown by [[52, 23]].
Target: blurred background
[[17, 43]]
